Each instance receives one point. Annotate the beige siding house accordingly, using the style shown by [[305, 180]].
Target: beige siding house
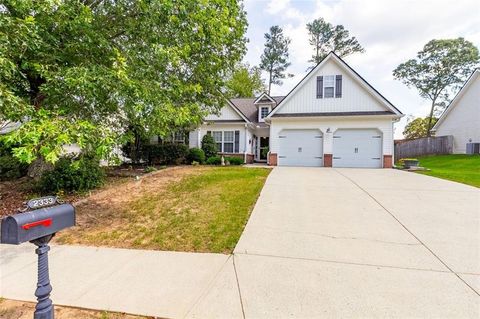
[[461, 118]]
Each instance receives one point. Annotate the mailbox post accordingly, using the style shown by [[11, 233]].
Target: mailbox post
[[38, 224]]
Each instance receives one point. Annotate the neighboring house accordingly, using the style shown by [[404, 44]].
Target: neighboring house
[[461, 118], [332, 117]]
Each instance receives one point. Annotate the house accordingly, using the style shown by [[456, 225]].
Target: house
[[461, 118], [331, 118]]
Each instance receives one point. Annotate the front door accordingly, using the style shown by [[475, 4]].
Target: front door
[[263, 148]]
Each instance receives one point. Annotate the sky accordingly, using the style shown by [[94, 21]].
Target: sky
[[391, 31]]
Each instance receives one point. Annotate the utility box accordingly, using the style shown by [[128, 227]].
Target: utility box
[[473, 148], [31, 225]]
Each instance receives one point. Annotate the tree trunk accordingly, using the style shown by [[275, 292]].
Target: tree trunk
[[38, 167], [270, 82], [429, 126]]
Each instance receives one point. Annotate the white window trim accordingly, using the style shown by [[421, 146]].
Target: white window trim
[[260, 118], [324, 86], [181, 140], [222, 141]]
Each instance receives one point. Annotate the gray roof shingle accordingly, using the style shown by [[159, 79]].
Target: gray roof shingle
[[250, 110]]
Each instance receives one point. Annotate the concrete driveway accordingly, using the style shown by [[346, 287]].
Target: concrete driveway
[[360, 243]]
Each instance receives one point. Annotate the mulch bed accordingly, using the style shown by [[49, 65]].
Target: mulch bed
[[14, 194]]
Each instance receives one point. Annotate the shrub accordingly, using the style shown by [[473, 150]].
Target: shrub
[[195, 155], [149, 169], [11, 168], [134, 148], [209, 146], [195, 163], [165, 153], [234, 160], [214, 160], [71, 175]]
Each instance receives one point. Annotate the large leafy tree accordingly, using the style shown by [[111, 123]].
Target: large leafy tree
[[325, 37], [84, 71], [244, 81], [439, 69], [417, 127], [274, 59]]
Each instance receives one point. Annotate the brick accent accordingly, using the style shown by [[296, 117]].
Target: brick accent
[[272, 159], [249, 158], [239, 155], [387, 161], [327, 160]]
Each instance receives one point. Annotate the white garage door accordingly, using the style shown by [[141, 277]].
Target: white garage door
[[300, 148], [357, 148]]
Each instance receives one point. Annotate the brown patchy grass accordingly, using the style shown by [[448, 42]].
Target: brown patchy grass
[[12, 309], [201, 209]]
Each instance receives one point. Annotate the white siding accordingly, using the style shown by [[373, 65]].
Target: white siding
[[383, 124], [197, 135], [354, 96], [463, 120], [226, 113]]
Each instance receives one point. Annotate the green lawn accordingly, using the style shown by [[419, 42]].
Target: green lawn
[[459, 168], [205, 210]]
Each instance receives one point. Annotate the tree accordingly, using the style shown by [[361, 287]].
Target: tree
[[85, 71], [244, 82], [274, 59], [209, 146], [325, 37], [418, 127], [440, 68]]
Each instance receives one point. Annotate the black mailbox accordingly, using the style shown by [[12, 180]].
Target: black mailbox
[[23, 227]]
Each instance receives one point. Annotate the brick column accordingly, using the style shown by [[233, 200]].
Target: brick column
[[327, 160], [272, 159], [387, 161], [249, 158]]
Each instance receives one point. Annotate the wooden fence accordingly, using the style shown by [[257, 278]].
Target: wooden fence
[[423, 146]]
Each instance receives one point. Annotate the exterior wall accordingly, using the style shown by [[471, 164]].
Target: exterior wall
[[249, 142], [463, 120], [226, 113], [195, 137], [354, 96], [383, 124], [387, 161]]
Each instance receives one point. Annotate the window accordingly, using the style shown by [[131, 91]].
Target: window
[[329, 86], [263, 112], [217, 136], [227, 141], [179, 137]]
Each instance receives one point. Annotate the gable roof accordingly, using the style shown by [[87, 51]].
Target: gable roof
[[235, 108], [457, 97], [380, 98], [248, 108], [263, 95]]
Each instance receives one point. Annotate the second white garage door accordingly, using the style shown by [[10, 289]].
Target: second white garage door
[[300, 148], [357, 148]]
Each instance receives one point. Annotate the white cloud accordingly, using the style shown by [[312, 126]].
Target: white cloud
[[390, 31]]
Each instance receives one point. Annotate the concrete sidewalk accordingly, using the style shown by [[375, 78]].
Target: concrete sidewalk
[[153, 283]]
